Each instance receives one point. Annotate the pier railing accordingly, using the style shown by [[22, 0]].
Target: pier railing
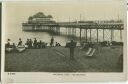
[[118, 26]]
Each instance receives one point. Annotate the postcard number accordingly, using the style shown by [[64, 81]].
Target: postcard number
[[11, 73]]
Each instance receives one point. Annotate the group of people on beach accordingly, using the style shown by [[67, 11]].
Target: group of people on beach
[[35, 44], [32, 43], [52, 43]]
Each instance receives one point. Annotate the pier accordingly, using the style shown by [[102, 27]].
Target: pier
[[71, 28], [46, 23]]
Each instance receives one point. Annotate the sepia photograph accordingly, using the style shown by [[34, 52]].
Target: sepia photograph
[[80, 36], [64, 41]]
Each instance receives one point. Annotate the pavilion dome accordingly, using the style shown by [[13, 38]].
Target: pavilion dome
[[41, 15]]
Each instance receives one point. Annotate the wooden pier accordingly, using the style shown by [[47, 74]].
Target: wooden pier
[[71, 28]]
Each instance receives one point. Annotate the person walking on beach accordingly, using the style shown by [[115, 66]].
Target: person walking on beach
[[52, 42], [72, 46], [35, 43]]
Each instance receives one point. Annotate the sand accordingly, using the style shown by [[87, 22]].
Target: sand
[[57, 59]]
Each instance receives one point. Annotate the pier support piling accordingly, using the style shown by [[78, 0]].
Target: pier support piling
[[120, 35], [86, 36], [80, 34], [112, 35], [103, 35], [90, 35], [35, 27], [97, 35]]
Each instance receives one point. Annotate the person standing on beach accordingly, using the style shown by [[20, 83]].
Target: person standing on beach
[[35, 43], [52, 42], [30, 43], [72, 46], [40, 44]]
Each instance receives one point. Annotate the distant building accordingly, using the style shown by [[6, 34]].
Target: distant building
[[39, 22], [40, 18]]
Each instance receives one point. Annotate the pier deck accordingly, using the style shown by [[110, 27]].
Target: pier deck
[[117, 26]]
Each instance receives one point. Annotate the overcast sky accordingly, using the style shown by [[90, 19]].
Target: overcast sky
[[15, 13], [62, 11]]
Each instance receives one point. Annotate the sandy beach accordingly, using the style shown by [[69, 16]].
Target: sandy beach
[[106, 59]]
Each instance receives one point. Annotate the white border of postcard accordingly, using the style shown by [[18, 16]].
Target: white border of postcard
[[36, 77]]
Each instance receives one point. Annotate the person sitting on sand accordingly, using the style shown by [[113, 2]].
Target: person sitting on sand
[[59, 44], [20, 42], [14, 46], [44, 44], [8, 43], [40, 44], [27, 42], [56, 44], [26, 45]]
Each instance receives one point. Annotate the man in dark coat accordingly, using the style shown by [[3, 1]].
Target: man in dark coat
[[35, 43], [72, 46], [52, 42]]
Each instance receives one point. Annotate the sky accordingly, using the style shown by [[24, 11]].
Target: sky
[[15, 13], [67, 10]]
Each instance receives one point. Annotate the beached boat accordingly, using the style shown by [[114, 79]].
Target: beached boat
[[14, 48], [10, 49], [20, 48]]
